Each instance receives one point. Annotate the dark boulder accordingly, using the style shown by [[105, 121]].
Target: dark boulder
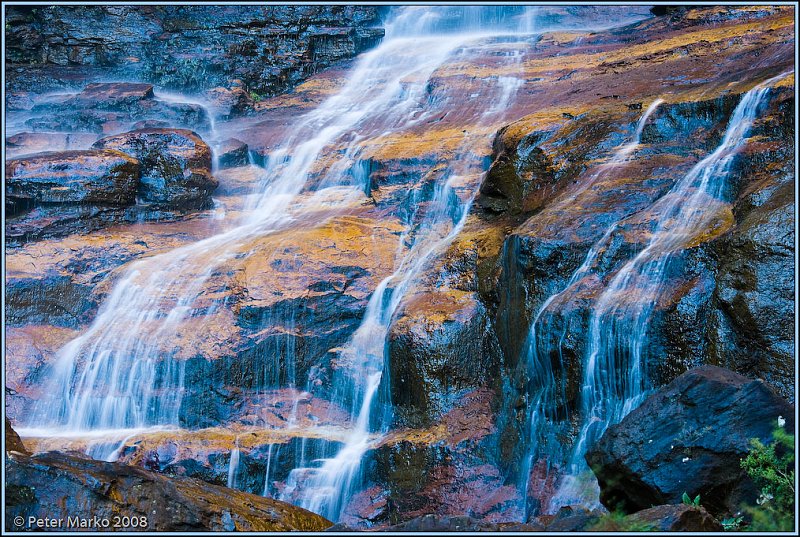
[[72, 486], [91, 176], [570, 519], [176, 165], [688, 437]]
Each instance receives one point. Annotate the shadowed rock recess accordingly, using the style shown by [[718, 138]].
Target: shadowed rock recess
[[402, 268]]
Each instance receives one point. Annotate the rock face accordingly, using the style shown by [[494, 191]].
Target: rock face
[[688, 437], [751, 327], [68, 486], [437, 349], [286, 303], [90, 176], [175, 165], [268, 48]]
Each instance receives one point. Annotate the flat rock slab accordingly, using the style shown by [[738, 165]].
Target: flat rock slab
[[81, 176], [114, 93], [26, 143]]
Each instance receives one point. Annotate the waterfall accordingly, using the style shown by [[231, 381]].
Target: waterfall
[[546, 418], [614, 364], [327, 486], [122, 372], [125, 373]]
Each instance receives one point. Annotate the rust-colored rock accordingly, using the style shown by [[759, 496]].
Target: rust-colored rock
[[58, 486]]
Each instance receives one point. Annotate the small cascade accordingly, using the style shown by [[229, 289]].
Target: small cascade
[[614, 363], [267, 488], [233, 465]]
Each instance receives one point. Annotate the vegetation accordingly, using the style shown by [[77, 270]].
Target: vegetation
[[688, 501], [771, 467]]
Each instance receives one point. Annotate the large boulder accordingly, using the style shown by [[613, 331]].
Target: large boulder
[[688, 437], [176, 165], [92, 176], [72, 486]]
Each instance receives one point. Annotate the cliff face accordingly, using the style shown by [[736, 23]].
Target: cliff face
[[457, 371], [267, 49]]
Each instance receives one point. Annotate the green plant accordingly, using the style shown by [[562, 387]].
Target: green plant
[[688, 501], [617, 521], [255, 96], [732, 523], [771, 467]]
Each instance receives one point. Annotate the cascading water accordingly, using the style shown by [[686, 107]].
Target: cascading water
[[547, 420], [326, 487], [614, 365], [122, 374]]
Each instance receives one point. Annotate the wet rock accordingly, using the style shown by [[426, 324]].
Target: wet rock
[[232, 153], [175, 165], [428, 523], [688, 437], [90, 176], [437, 349], [449, 468], [269, 48], [678, 517], [13, 441], [751, 326], [29, 349], [77, 487], [112, 94], [25, 143], [19, 101]]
